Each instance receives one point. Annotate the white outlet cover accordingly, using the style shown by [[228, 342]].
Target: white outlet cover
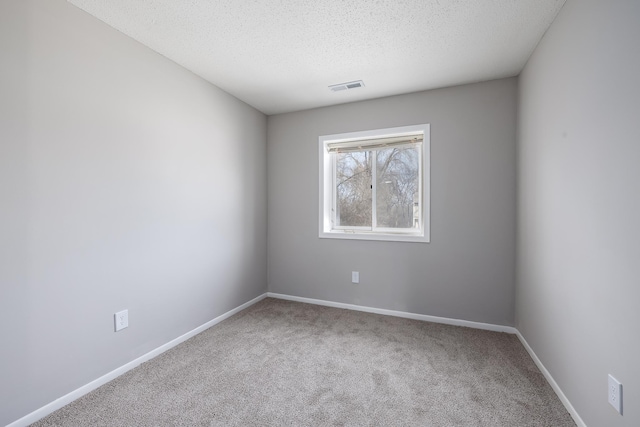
[[121, 320], [615, 394], [355, 277]]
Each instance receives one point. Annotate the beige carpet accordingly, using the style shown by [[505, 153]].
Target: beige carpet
[[281, 363]]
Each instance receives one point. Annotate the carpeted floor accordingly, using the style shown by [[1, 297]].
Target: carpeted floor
[[281, 363]]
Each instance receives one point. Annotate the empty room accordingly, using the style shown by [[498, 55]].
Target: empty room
[[331, 213]]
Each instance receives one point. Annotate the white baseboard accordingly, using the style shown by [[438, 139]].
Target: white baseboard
[[404, 314], [552, 382], [70, 397]]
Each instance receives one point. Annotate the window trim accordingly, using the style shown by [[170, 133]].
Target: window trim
[[326, 182]]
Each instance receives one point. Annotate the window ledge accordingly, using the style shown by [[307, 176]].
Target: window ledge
[[385, 237]]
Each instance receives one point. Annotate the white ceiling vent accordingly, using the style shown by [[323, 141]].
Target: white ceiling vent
[[346, 86]]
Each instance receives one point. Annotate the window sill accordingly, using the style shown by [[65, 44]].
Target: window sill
[[385, 237]]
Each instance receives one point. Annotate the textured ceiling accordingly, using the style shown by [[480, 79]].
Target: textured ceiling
[[280, 55]]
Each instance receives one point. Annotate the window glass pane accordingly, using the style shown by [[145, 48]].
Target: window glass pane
[[353, 189], [397, 176]]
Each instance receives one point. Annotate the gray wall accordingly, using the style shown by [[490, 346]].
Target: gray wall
[[468, 269], [126, 182], [579, 205]]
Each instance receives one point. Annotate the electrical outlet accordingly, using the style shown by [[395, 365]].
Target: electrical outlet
[[121, 319], [615, 394], [355, 277]]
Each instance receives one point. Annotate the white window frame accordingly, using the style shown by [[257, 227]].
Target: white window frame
[[327, 188]]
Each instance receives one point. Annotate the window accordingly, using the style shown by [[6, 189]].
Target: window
[[374, 185]]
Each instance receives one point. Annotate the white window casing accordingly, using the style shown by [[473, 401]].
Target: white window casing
[[372, 141]]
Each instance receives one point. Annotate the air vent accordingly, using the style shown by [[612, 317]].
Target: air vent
[[346, 86]]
